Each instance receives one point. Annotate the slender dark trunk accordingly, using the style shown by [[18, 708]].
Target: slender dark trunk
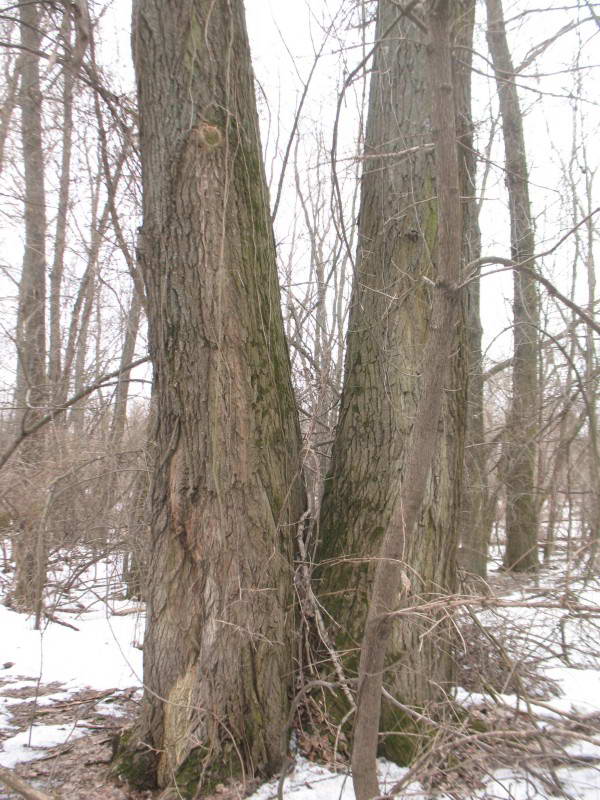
[[122, 391], [60, 242], [521, 554], [475, 532], [9, 102]]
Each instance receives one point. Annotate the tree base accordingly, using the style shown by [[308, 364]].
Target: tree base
[[133, 762], [136, 764]]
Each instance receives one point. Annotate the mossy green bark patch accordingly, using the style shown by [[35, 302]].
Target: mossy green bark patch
[[189, 774], [194, 774], [133, 763]]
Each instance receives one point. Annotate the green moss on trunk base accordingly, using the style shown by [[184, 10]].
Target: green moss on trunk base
[[137, 765], [194, 774], [133, 762], [189, 775], [405, 737]]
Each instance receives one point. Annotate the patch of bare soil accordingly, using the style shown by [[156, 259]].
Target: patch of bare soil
[[80, 768]]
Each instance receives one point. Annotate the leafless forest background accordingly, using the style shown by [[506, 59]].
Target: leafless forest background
[[76, 404]]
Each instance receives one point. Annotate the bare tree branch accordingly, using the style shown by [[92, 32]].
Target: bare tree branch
[[52, 415], [474, 267]]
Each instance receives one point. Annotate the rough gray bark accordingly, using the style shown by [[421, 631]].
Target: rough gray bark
[[392, 585], [476, 521], [227, 491], [390, 317], [521, 554]]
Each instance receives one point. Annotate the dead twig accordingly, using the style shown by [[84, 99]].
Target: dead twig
[[58, 621], [90, 699]]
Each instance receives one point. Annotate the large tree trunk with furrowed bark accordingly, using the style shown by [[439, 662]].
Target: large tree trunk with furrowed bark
[[227, 491], [389, 319], [392, 587]]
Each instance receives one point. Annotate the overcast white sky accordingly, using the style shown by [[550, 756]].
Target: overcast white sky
[[286, 34]]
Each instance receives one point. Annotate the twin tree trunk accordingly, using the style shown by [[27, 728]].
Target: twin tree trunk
[[390, 316], [227, 493]]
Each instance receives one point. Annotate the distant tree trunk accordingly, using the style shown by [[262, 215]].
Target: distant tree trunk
[[227, 491], [82, 306], [58, 265], [593, 515], [475, 530], [31, 324], [521, 553], [122, 391], [31, 389], [10, 98], [390, 316], [117, 428], [77, 415]]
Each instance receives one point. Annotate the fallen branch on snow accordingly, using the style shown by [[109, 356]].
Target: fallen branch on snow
[[15, 783]]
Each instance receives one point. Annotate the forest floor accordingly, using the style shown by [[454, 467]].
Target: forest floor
[[529, 675]]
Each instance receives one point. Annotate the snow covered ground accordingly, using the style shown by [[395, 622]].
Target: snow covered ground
[[52, 666], [100, 655]]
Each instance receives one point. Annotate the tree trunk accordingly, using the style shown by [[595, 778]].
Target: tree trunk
[[10, 98], [393, 587], [593, 514], [475, 532], [116, 434], [81, 307], [521, 554], [80, 378], [389, 319], [227, 490], [58, 265], [31, 324], [31, 389], [119, 418]]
